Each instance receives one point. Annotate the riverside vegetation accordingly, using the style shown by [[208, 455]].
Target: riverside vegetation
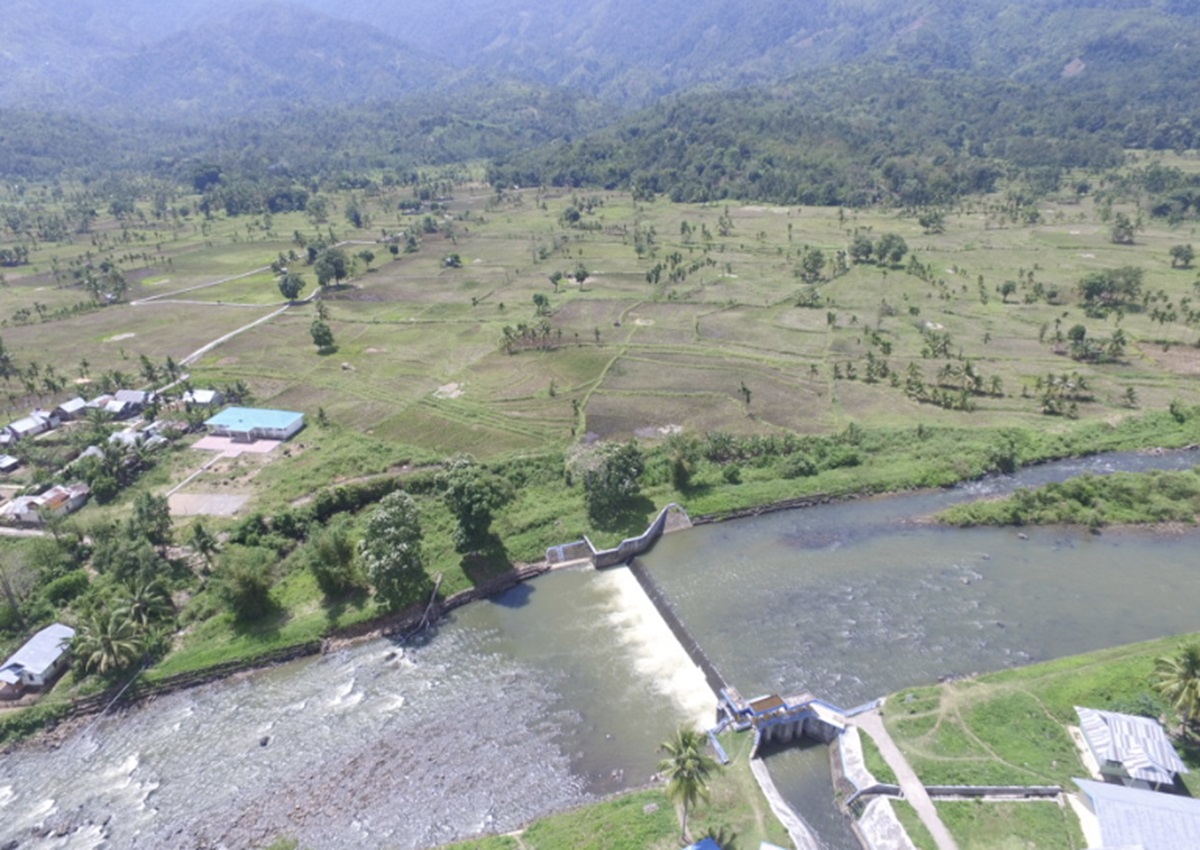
[[579, 358]]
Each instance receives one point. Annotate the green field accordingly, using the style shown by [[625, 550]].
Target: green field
[[1010, 727], [694, 329]]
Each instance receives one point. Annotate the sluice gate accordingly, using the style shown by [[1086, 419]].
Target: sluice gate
[[777, 719]]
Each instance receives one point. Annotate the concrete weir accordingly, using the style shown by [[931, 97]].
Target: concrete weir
[[772, 718]]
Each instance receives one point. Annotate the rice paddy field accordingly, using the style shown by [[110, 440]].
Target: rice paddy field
[[688, 318]]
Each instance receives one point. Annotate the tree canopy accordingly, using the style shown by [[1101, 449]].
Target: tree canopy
[[390, 551]]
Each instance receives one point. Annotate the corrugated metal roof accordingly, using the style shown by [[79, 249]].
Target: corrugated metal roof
[[1137, 743], [41, 651], [1132, 817], [248, 418]]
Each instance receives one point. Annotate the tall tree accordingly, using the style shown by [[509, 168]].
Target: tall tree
[[472, 495], [612, 479], [390, 552], [687, 769], [322, 336], [1177, 679], [107, 641], [291, 285]]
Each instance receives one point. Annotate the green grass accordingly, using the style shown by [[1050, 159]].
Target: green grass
[[921, 838], [979, 825], [874, 761], [1010, 727]]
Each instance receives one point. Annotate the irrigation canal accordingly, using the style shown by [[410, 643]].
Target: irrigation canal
[[560, 690]]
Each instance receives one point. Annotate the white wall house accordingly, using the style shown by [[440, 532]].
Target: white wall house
[[43, 657]]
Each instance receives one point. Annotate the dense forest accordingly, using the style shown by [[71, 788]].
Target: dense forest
[[849, 102]]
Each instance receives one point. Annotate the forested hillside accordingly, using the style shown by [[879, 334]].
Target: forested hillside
[[853, 102]]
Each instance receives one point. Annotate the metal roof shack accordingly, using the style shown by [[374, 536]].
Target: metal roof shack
[[203, 398], [247, 424], [72, 408], [37, 662], [137, 398], [1136, 818], [1132, 750], [8, 463]]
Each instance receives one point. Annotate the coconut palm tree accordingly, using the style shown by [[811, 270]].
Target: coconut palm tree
[[107, 641], [1177, 679], [146, 602], [687, 768]]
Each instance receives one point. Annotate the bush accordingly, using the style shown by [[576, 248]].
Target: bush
[[62, 590], [797, 466], [244, 581]]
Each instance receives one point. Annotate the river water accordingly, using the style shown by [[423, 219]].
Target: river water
[[559, 691], [854, 601]]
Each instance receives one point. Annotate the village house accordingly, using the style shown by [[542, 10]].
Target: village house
[[8, 463], [37, 422], [204, 398], [71, 409], [1134, 751], [137, 399], [1136, 819], [59, 500], [36, 664]]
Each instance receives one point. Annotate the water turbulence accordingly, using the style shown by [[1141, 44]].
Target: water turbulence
[[852, 601], [512, 710], [560, 691]]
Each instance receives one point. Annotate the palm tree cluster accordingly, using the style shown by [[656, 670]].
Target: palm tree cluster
[[687, 769], [114, 634]]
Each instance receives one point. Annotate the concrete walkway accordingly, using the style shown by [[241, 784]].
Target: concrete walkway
[[872, 723]]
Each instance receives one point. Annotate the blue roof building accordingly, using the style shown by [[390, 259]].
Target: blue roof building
[[247, 424]]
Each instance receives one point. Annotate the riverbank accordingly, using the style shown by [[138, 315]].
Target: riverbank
[[1012, 727]]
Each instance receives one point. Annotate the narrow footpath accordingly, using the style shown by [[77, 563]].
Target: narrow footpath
[[872, 723]]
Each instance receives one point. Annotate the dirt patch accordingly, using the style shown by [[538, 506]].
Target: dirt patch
[[376, 351], [1178, 360], [643, 323], [196, 504], [448, 391], [119, 337]]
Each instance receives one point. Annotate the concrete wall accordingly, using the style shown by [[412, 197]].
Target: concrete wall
[[1019, 791], [631, 547]]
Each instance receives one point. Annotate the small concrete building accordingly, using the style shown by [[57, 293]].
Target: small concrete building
[[135, 398], [1134, 751], [1145, 820], [204, 398], [119, 409], [59, 500], [37, 422], [8, 463], [43, 657], [72, 409], [247, 424]]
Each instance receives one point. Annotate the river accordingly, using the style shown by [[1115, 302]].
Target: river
[[559, 691]]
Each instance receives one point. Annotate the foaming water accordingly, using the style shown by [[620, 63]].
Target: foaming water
[[560, 690], [655, 653], [517, 707]]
